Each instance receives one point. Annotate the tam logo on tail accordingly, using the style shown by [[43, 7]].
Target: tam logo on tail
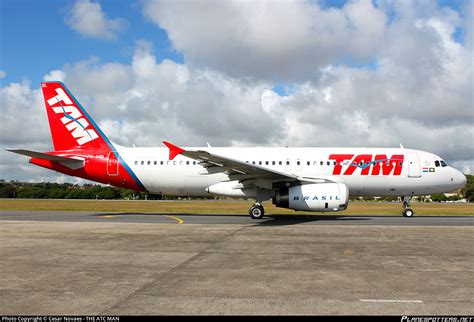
[[74, 121]]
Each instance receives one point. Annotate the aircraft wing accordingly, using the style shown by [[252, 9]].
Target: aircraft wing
[[68, 162], [236, 169]]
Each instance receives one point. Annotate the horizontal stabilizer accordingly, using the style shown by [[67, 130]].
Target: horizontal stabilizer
[[68, 162]]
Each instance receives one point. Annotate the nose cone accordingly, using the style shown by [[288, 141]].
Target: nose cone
[[463, 179], [458, 179]]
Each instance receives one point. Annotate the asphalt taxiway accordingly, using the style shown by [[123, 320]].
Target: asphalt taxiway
[[118, 263], [239, 219]]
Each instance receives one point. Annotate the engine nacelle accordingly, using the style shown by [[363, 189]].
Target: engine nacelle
[[313, 197]]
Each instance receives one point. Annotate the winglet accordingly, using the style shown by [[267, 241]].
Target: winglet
[[174, 150]]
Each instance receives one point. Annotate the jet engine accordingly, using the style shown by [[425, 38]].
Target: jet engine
[[313, 197]]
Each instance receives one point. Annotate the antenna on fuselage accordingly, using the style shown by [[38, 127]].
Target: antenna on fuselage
[[401, 146]]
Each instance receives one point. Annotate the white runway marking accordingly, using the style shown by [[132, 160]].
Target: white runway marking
[[392, 301]]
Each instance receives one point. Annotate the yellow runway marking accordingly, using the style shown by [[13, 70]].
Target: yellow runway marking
[[179, 220], [108, 216]]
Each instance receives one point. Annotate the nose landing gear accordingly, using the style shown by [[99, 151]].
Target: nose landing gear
[[407, 211]]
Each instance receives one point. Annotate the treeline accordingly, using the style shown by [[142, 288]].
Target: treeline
[[47, 190]]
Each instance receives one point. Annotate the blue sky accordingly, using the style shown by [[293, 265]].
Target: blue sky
[[37, 40]]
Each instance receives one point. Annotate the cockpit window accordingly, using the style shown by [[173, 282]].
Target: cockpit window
[[437, 163], [443, 164]]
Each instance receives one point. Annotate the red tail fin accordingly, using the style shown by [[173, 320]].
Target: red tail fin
[[71, 126]]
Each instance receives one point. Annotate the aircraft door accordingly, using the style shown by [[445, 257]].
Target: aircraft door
[[414, 170], [112, 165]]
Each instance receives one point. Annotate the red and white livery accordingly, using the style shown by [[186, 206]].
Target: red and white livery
[[310, 179]]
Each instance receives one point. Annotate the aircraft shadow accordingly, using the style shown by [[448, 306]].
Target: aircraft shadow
[[287, 220]]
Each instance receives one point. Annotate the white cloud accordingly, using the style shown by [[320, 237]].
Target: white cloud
[[282, 40], [55, 75], [2, 74], [88, 19]]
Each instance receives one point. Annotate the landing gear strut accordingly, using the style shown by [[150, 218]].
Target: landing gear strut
[[256, 211], [407, 212]]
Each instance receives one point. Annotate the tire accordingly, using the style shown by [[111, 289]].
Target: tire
[[408, 212], [256, 212]]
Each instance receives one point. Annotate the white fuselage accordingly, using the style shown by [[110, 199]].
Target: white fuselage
[[365, 171]]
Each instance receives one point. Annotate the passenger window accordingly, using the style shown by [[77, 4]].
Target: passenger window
[[154, 162], [280, 163], [321, 163], [298, 163], [334, 163], [308, 163], [266, 162], [329, 163], [273, 162], [253, 162], [187, 162], [161, 162], [437, 163], [136, 162], [259, 162], [143, 162], [194, 162], [287, 162]]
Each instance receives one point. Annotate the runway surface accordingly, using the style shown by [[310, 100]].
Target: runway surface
[[63, 263], [218, 219]]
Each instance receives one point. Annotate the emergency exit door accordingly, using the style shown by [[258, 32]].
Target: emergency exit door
[[414, 170]]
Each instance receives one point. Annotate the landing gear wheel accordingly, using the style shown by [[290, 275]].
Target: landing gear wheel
[[407, 212], [256, 211]]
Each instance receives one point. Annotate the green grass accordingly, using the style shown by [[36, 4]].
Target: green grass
[[223, 207]]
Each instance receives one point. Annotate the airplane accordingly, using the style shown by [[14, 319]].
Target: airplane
[[307, 179]]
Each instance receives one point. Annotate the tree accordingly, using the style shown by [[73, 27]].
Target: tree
[[438, 197], [7, 190], [468, 190]]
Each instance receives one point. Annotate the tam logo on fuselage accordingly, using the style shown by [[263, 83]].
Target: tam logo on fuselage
[[379, 165], [75, 123]]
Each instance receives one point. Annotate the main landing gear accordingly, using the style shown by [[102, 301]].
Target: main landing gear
[[407, 212], [256, 211]]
